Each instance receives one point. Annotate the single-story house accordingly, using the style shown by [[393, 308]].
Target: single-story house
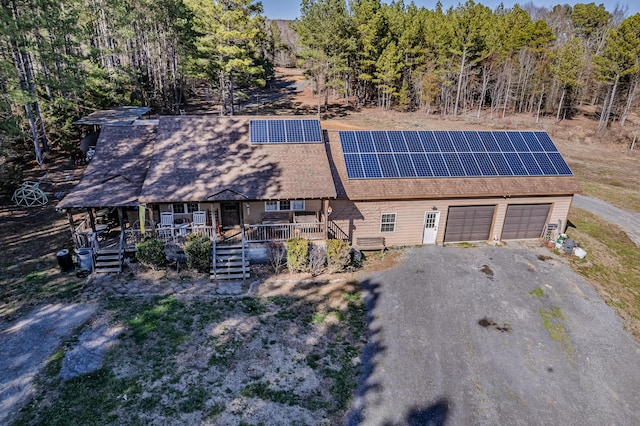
[[251, 180]]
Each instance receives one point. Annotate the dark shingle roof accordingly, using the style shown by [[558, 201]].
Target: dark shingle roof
[[115, 175], [118, 116], [421, 188], [201, 158]]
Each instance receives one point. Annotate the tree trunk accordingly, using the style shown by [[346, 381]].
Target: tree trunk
[[462, 63], [564, 91], [539, 105], [632, 92], [604, 119]]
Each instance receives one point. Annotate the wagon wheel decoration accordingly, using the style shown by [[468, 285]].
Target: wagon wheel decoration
[[29, 194]]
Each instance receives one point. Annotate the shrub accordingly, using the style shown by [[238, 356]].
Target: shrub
[[150, 252], [317, 259], [338, 255], [297, 254], [197, 249], [276, 255]]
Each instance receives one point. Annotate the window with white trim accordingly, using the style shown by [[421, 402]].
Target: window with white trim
[[184, 208], [284, 205], [388, 222]]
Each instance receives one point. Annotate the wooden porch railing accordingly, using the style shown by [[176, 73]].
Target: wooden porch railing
[[284, 231]]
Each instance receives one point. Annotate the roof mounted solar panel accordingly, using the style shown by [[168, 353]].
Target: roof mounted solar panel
[[354, 166], [413, 141], [397, 141], [411, 154], [284, 131], [518, 142], [444, 141], [459, 142], [532, 142], [429, 141], [365, 143], [546, 142], [559, 163]]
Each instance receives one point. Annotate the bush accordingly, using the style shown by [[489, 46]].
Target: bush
[[317, 259], [338, 255], [197, 249], [297, 254], [276, 255], [150, 252]]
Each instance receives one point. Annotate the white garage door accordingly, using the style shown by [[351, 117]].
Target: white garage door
[[525, 221], [469, 223]]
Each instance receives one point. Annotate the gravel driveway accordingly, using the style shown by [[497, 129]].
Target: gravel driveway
[[493, 335], [628, 221]]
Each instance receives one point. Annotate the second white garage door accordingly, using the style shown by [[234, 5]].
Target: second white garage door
[[469, 223], [525, 221]]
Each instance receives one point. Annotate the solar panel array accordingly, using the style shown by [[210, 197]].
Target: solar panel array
[[424, 154], [285, 131]]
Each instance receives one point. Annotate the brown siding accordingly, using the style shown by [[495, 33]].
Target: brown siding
[[362, 218]]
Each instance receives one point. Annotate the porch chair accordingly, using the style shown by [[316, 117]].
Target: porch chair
[[166, 220], [199, 220]]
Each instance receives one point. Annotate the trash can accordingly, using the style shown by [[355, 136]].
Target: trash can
[[85, 259], [64, 260]]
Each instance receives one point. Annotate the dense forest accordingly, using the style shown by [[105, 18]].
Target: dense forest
[[61, 60]]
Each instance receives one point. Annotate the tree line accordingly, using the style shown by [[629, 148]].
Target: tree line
[[471, 59], [60, 60]]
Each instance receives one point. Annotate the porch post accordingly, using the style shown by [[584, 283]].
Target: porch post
[[73, 229], [92, 220], [152, 222], [326, 217]]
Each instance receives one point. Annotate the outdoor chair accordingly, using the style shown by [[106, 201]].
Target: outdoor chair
[[166, 220], [199, 219]]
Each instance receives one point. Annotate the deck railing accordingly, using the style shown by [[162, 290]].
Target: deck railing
[[284, 231]]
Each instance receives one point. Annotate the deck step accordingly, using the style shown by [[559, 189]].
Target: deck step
[[102, 264], [229, 276], [107, 270], [108, 251], [107, 257], [229, 270], [229, 263]]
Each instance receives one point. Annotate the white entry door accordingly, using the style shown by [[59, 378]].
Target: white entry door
[[431, 220]]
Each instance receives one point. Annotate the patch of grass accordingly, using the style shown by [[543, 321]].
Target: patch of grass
[[537, 292], [353, 297], [318, 318], [263, 391], [88, 399], [163, 317], [553, 319], [194, 400], [252, 306], [465, 244], [611, 264]]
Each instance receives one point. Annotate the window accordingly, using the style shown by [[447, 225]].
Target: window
[[271, 206], [388, 222], [182, 208], [285, 205]]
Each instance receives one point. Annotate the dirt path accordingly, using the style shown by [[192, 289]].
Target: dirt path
[[628, 221], [27, 344]]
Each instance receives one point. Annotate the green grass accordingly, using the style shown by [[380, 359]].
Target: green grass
[[611, 264], [151, 372], [553, 321], [537, 292]]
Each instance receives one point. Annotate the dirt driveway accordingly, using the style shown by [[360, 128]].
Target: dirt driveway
[[493, 335]]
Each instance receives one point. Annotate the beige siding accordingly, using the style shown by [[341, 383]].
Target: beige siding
[[362, 218]]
